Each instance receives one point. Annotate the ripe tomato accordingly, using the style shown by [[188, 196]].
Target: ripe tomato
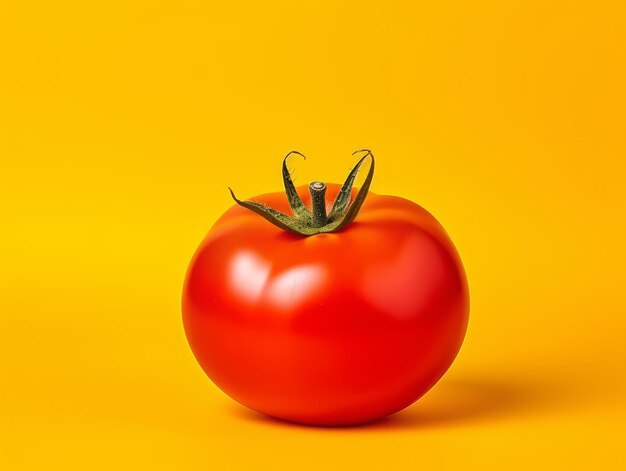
[[333, 328]]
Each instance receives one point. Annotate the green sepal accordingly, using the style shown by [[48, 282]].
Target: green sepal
[[300, 211]]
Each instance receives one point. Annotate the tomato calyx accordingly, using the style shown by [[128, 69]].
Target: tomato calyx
[[315, 221]]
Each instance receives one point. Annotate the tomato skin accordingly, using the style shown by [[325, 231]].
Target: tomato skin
[[332, 329]]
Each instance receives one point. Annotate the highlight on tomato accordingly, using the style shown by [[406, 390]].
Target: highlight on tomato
[[328, 305]]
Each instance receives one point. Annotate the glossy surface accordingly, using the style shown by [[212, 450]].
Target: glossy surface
[[332, 329]]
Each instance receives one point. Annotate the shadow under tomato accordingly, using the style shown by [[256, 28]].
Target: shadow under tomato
[[454, 402]]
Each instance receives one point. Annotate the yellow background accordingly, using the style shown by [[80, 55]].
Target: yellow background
[[121, 125]]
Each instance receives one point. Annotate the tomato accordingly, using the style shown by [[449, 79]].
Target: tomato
[[334, 328]]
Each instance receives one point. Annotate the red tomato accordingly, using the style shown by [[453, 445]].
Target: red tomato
[[332, 329]]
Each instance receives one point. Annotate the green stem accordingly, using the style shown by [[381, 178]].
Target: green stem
[[318, 198], [316, 221]]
